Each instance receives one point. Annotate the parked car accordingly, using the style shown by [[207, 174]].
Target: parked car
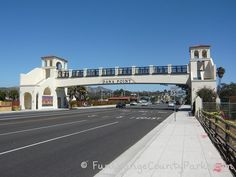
[[120, 105], [133, 103]]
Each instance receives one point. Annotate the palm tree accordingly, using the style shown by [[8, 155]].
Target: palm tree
[[80, 93], [220, 73], [71, 92]]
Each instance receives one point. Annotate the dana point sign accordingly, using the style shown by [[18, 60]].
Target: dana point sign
[[118, 81]]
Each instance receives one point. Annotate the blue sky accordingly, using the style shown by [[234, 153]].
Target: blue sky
[[94, 33]]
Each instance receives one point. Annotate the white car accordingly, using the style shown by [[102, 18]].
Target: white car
[[133, 103], [171, 104], [144, 103]]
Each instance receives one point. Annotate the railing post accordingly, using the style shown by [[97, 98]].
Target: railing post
[[187, 68], [70, 72], [133, 70], [85, 72], [117, 70], [169, 68], [227, 137], [216, 121], [151, 69], [100, 71]]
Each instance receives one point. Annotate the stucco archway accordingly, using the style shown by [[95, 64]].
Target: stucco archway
[[28, 100]]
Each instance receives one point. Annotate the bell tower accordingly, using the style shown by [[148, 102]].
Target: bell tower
[[53, 63], [202, 69]]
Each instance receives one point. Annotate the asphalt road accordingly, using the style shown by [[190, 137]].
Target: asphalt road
[[69, 143]]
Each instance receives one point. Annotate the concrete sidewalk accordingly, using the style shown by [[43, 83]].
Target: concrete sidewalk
[[180, 149]]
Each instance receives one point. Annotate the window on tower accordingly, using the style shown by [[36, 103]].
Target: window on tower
[[196, 54], [204, 54]]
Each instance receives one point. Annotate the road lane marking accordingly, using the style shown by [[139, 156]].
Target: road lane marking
[[38, 115], [38, 120], [146, 118], [35, 120], [142, 111], [161, 112], [39, 128], [92, 115], [119, 117], [57, 138]]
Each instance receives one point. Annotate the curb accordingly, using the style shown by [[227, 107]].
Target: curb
[[45, 110], [122, 163]]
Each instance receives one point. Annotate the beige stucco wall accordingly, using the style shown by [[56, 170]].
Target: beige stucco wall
[[33, 77]]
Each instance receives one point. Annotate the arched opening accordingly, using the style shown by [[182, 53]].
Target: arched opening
[[27, 100], [196, 54], [204, 54], [47, 99], [47, 91], [59, 66]]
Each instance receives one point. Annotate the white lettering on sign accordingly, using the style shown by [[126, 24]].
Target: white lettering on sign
[[118, 81]]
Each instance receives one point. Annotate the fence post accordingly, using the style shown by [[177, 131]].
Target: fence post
[[216, 122], [229, 111], [226, 137]]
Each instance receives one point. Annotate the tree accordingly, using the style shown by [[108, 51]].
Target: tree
[[13, 94], [71, 93], [187, 90], [81, 93], [220, 73], [227, 90], [207, 95], [2, 95]]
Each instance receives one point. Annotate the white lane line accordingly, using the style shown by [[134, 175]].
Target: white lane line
[[92, 115], [9, 117], [32, 116], [39, 128], [119, 117], [161, 112], [57, 138]]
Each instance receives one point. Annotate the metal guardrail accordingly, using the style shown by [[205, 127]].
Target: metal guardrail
[[223, 134]]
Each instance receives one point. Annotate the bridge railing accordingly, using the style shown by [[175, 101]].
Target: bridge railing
[[108, 72], [92, 73], [160, 70], [142, 70], [179, 69], [124, 71], [77, 73]]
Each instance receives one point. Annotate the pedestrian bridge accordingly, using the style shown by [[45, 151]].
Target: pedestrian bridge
[[46, 87], [124, 75]]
